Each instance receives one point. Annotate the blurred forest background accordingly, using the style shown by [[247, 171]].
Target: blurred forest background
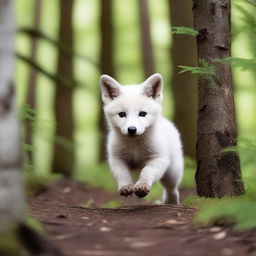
[[64, 46]]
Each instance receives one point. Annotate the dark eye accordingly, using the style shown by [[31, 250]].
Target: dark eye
[[142, 113], [122, 114]]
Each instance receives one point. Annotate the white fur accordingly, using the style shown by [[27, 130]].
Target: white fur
[[156, 149]]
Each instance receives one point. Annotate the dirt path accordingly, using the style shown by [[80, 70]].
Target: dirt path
[[132, 231]]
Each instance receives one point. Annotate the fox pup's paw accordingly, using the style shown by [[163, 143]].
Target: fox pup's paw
[[126, 190], [141, 189]]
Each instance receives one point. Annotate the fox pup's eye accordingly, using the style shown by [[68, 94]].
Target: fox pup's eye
[[142, 113], [122, 114]]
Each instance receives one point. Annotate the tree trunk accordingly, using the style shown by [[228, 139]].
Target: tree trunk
[[184, 86], [106, 60], [12, 202], [146, 42], [63, 158], [218, 174], [32, 79]]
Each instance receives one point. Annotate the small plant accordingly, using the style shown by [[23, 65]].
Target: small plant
[[243, 212]]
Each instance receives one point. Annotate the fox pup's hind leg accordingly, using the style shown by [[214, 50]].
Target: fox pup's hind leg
[[171, 181], [171, 196]]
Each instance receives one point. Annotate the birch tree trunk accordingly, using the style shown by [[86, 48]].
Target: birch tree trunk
[[184, 86], [12, 202], [218, 174], [106, 60], [146, 42], [63, 157]]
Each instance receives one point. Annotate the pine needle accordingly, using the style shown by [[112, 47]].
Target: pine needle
[[184, 31], [244, 64], [205, 70], [253, 2]]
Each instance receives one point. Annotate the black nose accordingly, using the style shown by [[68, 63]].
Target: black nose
[[132, 130]]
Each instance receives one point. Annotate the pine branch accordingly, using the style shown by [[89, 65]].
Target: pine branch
[[244, 64], [42, 126], [184, 31], [248, 27], [205, 70], [56, 78], [253, 2], [65, 48]]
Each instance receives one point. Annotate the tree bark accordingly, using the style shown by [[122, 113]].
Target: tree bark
[[106, 61], [32, 79], [12, 200], [146, 41], [218, 174], [184, 86], [63, 158]]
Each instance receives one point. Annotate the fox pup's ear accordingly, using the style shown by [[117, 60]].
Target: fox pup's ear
[[153, 87], [110, 88]]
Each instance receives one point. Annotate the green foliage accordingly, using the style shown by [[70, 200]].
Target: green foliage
[[184, 31], [35, 225], [155, 193], [112, 204], [9, 245], [248, 26], [97, 176], [30, 117], [198, 202], [241, 211], [188, 180], [88, 204], [54, 77], [60, 45], [205, 70], [246, 147], [244, 64], [253, 2]]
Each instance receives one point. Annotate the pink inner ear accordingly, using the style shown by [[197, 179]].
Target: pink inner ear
[[112, 92], [152, 89], [155, 89]]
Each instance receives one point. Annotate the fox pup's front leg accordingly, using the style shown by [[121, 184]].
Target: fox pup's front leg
[[152, 172], [122, 176]]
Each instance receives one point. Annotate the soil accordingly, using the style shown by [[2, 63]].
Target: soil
[[129, 230]]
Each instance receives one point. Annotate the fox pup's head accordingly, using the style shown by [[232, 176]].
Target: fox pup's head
[[132, 109]]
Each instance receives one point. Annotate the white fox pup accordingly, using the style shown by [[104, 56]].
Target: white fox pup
[[141, 138]]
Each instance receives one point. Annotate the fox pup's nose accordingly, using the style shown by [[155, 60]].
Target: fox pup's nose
[[132, 130]]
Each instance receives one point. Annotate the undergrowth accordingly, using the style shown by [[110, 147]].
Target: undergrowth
[[240, 210]]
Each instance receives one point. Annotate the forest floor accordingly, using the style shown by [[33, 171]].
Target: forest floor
[[157, 230]]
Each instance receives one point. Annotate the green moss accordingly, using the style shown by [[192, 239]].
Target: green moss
[[241, 211], [197, 201], [9, 245], [112, 204]]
